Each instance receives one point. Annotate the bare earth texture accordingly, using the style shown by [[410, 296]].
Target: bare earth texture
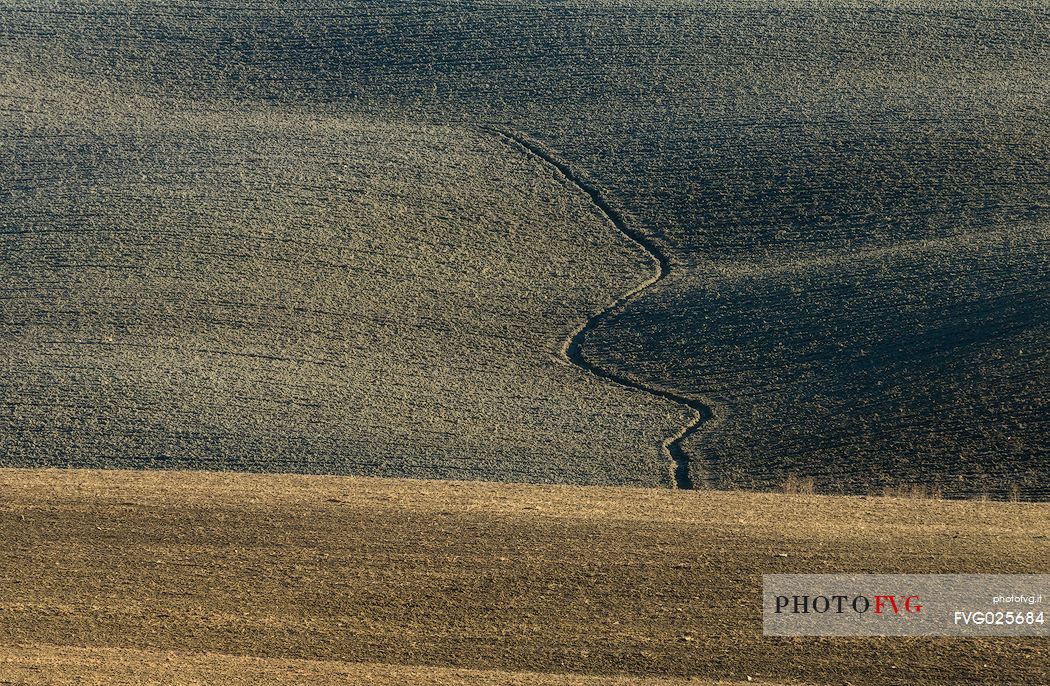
[[41, 665], [314, 575], [852, 196], [271, 291], [953, 343]]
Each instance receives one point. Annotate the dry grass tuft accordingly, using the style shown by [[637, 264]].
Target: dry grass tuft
[[914, 491], [793, 485]]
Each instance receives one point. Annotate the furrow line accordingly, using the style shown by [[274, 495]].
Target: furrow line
[[571, 350]]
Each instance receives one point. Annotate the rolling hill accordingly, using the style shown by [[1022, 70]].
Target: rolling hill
[[264, 291], [851, 200], [187, 577]]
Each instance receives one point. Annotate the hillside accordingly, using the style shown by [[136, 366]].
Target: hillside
[[852, 199], [282, 575], [266, 291], [62, 665]]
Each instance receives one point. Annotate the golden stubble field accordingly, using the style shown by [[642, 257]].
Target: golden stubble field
[[148, 577]]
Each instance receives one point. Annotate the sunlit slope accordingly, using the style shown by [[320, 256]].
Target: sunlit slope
[[742, 138], [259, 290], [433, 575], [729, 129], [59, 665]]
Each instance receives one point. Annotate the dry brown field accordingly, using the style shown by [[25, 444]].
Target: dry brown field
[[180, 578]]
